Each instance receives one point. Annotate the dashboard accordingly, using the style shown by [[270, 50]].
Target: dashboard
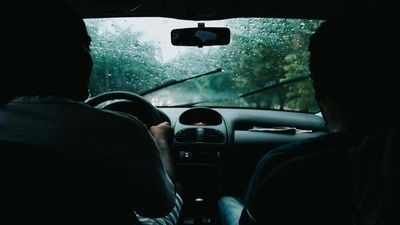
[[216, 149], [200, 136], [221, 130]]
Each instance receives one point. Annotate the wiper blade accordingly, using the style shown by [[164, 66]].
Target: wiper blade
[[274, 85], [173, 82], [190, 104], [268, 86]]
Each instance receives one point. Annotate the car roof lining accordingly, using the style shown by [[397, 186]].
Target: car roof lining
[[213, 9]]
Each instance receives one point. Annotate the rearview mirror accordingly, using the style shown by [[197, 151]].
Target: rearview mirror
[[200, 36]]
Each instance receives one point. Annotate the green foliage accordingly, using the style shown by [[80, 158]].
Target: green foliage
[[262, 52], [126, 63]]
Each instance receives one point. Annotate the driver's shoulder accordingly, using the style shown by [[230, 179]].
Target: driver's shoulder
[[122, 116], [116, 118]]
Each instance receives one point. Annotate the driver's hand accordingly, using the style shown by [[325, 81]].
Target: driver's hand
[[162, 132]]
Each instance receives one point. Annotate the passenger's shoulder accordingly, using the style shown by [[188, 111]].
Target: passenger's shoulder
[[299, 148]]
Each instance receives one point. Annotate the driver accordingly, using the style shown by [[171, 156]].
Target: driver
[[41, 103]]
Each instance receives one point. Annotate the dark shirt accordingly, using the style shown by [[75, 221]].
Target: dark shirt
[[376, 177], [71, 127], [272, 194]]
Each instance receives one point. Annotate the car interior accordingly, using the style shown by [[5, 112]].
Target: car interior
[[230, 98]]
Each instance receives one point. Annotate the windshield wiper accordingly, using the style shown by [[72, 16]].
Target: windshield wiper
[[190, 104], [273, 85], [268, 86], [173, 82]]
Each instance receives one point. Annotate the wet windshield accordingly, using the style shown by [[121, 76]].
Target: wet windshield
[[136, 55]]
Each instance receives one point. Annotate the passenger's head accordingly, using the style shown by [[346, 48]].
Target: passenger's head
[[353, 61], [47, 53]]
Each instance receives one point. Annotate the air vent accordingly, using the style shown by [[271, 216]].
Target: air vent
[[186, 135], [212, 136]]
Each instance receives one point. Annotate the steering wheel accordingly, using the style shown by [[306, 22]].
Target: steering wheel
[[130, 103]]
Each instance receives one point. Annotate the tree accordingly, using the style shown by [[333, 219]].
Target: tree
[[262, 52], [122, 61]]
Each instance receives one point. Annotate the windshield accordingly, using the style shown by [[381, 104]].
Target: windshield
[[136, 55]]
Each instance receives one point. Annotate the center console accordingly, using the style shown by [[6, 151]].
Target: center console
[[200, 140]]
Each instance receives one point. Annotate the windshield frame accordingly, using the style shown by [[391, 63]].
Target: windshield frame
[[159, 85]]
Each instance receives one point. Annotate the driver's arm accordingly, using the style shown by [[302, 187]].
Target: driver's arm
[[137, 151], [154, 192], [162, 134]]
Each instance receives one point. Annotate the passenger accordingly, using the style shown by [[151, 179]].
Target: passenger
[[351, 65], [42, 104]]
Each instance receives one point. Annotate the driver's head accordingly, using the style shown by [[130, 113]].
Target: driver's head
[[352, 61], [47, 51]]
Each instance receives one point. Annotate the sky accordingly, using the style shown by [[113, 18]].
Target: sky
[[157, 30]]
